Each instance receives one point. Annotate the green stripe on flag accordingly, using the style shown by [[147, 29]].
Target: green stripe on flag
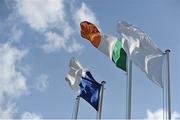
[[119, 56]]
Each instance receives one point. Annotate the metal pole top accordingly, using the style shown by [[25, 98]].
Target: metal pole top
[[78, 97], [168, 51], [103, 82]]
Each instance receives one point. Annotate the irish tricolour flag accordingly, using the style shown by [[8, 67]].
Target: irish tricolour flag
[[109, 45]]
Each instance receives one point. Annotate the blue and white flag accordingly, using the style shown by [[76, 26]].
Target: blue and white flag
[[83, 82]]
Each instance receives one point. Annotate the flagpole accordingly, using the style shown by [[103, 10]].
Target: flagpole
[[99, 112], [129, 92], [76, 108], [168, 84]]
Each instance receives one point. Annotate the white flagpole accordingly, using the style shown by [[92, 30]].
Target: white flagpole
[[168, 84], [75, 115], [129, 92], [99, 112]]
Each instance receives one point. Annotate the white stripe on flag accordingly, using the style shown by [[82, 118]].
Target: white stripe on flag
[[107, 44]]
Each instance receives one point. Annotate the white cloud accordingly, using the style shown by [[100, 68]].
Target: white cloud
[[52, 15], [158, 115], [42, 83], [84, 13], [12, 81], [74, 47], [44, 16], [25, 69], [10, 28], [7, 112], [40, 14], [30, 116], [16, 34], [54, 42]]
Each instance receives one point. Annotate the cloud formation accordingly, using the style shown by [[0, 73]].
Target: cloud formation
[[30, 116], [84, 13], [7, 112], [12, 81], [52, 20], [16, 34], [41, 15], [158, 115], [42, 83]]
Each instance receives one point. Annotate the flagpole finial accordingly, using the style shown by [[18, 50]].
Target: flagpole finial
[[103, 82], [168, 51]]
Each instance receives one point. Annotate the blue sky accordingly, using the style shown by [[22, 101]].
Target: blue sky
[[38, 38]]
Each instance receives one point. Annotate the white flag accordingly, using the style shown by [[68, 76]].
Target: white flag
[[142, 51], [75, 73]]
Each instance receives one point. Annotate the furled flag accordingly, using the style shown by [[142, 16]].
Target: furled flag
[[82, 81], [109, 45], [142, 51]]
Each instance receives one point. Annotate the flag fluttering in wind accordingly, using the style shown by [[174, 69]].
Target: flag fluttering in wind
[[82, 81], [109, 45], [90, 89], [142, 51], [75, 72]]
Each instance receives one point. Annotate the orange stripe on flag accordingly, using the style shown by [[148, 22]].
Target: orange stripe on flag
[[90, 32]]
